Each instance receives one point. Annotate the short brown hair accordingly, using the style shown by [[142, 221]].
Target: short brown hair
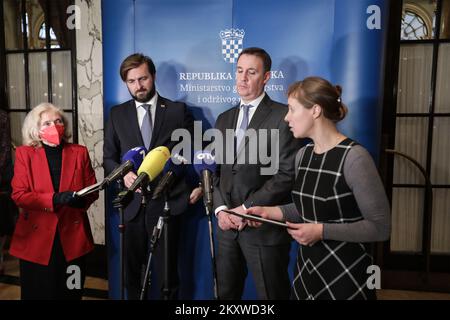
[[261, 53], [134, 61], [315, 90]]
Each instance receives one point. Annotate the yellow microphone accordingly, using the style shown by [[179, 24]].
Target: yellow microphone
[[154, 162], [151, 167]]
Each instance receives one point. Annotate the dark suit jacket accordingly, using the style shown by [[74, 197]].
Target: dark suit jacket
[[242, 183], [122, 133], [33, 192]]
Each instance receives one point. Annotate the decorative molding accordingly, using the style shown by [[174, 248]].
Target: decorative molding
[[90, 101]]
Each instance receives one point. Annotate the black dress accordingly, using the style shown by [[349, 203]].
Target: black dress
[[329, 269]]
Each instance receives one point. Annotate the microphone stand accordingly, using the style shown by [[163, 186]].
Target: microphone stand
[[119, 204], [122, 200], [208, 208], [166, 218], [162, 221], [121, 228]]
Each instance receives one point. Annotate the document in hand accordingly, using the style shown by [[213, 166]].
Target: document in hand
[[257, 218]]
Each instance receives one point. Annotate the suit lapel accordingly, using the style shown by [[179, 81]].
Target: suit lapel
[[233, 124], [261, 113], [39, 164], [69, 161], [229, 123], [234, 118], [159, 119]]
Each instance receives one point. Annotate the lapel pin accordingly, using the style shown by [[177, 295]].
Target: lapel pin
[[163, 106]]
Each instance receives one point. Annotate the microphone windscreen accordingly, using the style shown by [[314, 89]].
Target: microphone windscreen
[[204, 160], [136, 156], [154, 162]]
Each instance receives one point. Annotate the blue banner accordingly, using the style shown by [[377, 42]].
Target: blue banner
[[195, 43]]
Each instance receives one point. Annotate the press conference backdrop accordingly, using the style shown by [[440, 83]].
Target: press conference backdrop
[[194, 44]]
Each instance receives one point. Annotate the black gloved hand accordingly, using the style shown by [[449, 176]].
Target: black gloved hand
[[68, 198], [77, 202], [62, 198]]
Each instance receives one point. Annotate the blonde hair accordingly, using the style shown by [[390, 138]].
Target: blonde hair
[[32, 123]]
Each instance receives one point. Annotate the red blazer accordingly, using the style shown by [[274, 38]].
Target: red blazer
[[32, 190]]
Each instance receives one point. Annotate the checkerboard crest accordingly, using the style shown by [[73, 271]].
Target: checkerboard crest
[[232, 44]]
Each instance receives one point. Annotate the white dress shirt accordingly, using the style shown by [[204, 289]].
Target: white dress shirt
[[251, 111], [141, 110]]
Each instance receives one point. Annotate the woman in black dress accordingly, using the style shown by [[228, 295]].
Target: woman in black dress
[[339, 203]]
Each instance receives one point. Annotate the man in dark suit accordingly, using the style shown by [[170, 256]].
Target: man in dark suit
[[147, 120], [243, 183]]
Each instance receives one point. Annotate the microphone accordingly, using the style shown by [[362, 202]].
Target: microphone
[[131, 160], [175, 167], [150, 168], [205, 166]]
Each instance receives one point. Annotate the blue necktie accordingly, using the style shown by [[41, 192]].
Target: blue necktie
[[244, 124], [147, 126]]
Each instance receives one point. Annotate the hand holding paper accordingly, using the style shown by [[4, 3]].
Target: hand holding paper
[[255, 216]]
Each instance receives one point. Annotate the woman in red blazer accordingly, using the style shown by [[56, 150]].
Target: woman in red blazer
[[52, 235]]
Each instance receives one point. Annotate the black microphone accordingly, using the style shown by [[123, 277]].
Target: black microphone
[[131, 160], [175, 168], [205, 166]]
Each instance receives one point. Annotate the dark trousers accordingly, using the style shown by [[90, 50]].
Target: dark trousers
[[268, 266], [137, 245], [50, 282]]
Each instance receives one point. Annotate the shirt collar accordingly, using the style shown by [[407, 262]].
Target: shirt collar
[[151, 102], [255, 102]]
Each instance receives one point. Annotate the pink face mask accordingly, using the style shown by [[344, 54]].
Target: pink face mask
[[52, 134]]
